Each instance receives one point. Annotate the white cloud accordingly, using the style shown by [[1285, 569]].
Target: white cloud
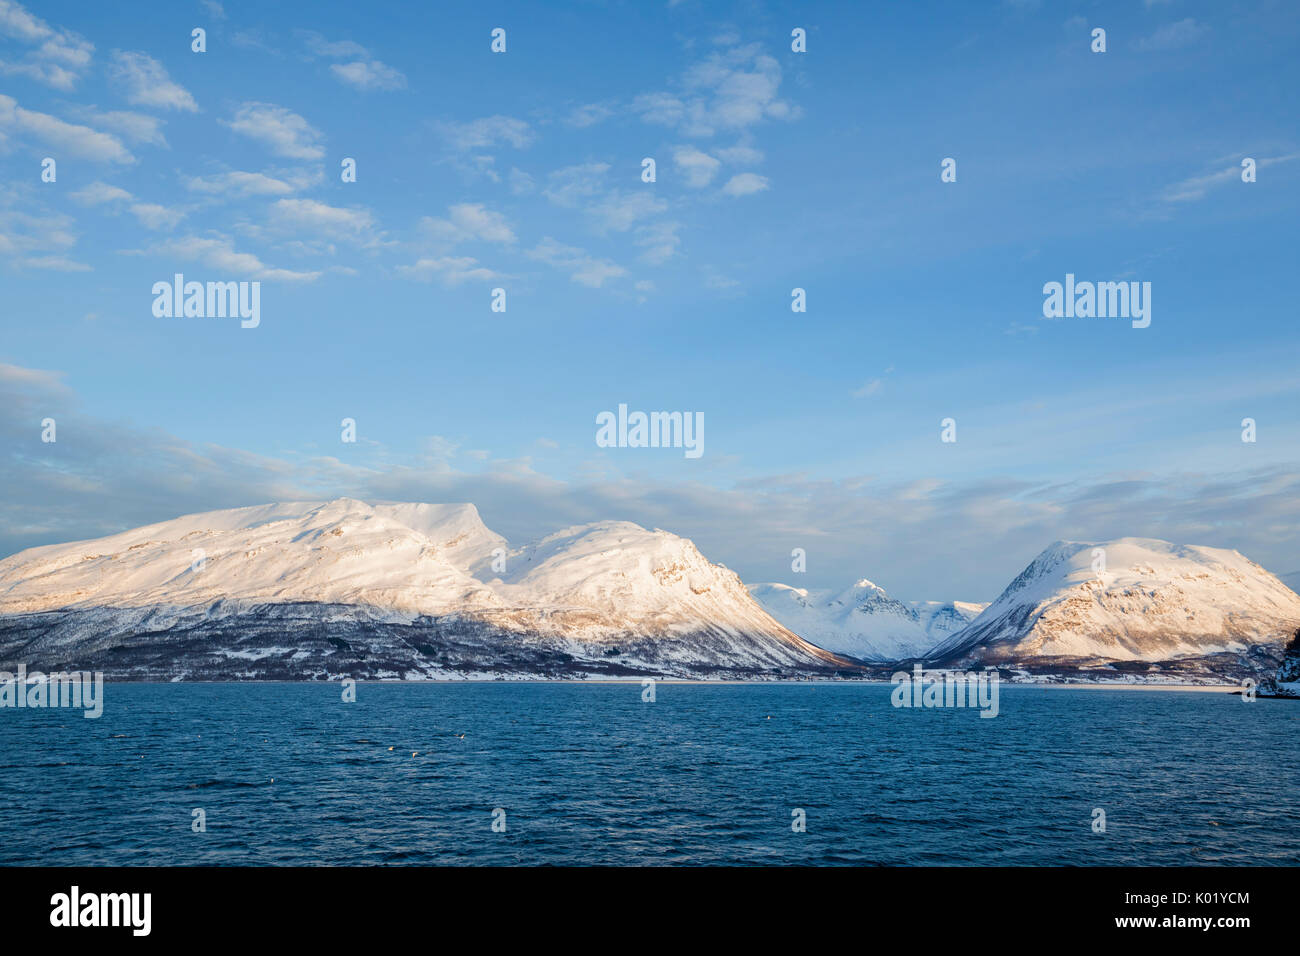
[[321, 219], [99, 193], [282, 131], [53, 263], [218, 252], [1172, 36], [39, 231], [715, 280], [253, 40], [663, 109], [80, 141], [237, 183], [572, 184], [467, 222], [732, 89], [369, 75], [333, 49], [147, 83], [450, 270], [745, 184], [150, 215], [610, 210], [659, 240], [742, 154], [620, 210], [133, 127], [1196, 187], [868, 388], [698, 167], [582, 268], [520, 182], [18, 22], [157, 217], [589, 114], [51, 74], [487, 132], [59, 56]]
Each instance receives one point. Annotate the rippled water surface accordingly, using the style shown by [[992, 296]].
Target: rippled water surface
[[591, 774]]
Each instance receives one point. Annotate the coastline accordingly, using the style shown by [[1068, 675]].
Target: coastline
[[636, 681]]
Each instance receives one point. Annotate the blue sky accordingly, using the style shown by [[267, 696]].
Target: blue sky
[[776, 170]]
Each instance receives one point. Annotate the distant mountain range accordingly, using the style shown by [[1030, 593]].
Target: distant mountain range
[[317, 590], [347, 589], [864, 621]]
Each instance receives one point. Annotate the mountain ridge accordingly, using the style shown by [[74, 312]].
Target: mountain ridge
[[863, 620], [417, 590], [388, 590], [1130, 601]]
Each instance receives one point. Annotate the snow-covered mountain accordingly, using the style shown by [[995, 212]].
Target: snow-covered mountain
[[1286, 682], [345, 588], [864, 621], [1150, 601]]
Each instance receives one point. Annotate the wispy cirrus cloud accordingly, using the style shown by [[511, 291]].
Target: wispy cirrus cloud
[[470, 145], [74, 139], [589, 114], [100, 193], [573, 185], [731, 89], [239, 184], [449, 270], [1196, 187], [146, 83], [33, 236], [608, 209], [317, 218], [696, 166], [369, 75], [487, 132], [1172, 36], [52, 264], [333, 49], [151, 215], [281, 130], [135, 128], [57, 57], [468, 222], [745, 184], [659, 241], [362, 71], [217, 251], [583, 268], [156, 216]]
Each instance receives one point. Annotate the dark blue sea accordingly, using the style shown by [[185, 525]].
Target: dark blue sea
[[591, 774]]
